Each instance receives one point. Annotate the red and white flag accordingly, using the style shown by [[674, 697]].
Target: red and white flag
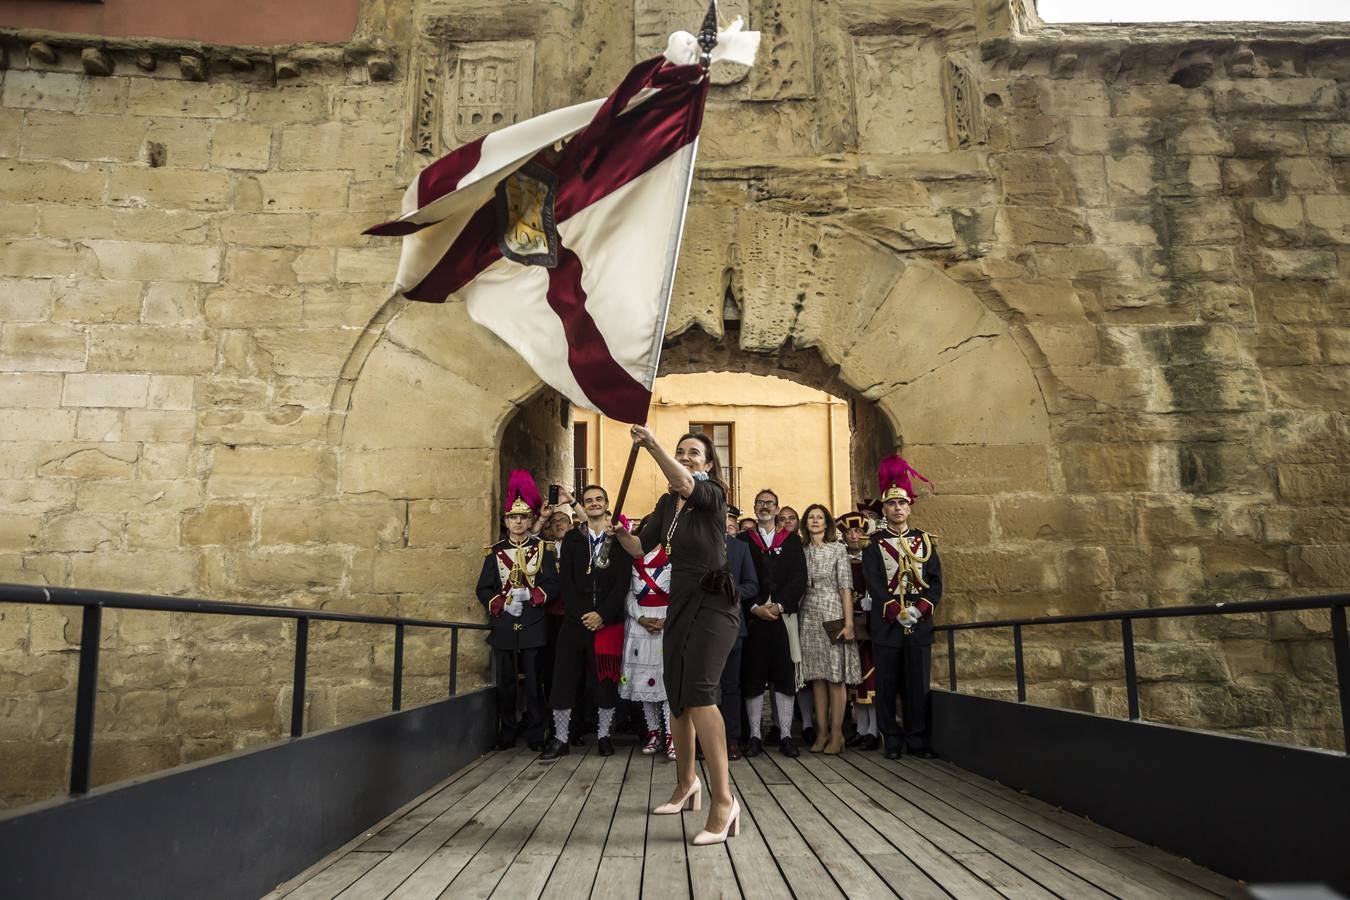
[[561, 233]]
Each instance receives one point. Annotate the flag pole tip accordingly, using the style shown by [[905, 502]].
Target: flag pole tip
[[707, 35]]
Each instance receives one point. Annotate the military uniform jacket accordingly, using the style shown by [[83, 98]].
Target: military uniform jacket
[[781, 571], [904, 568], [586, 588], [540, 570]]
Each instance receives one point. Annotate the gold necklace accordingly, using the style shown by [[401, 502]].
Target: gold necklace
[[675, 520]]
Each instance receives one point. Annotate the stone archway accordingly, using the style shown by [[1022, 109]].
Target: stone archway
[[431, 397]]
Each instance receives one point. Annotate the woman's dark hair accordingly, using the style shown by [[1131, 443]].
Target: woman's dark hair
[[831, 535], [710, 454]]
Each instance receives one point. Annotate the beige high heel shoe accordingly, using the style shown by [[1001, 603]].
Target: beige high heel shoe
[[692, 800], [733, 827]]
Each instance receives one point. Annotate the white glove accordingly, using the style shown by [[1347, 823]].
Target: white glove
[[517, 604], [520, 595], [866, 602], [911, 617]]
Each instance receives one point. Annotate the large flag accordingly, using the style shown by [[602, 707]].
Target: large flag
[[561, 233]]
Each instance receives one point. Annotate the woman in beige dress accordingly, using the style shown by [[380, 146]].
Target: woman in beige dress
[[827, 665]]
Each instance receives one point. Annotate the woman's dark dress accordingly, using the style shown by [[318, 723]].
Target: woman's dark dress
[[701, 628]]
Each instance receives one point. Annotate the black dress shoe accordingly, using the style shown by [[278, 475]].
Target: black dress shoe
[[555, 749], [772, 735], [858, 738], [754, 748], [578, 740], [809, 735], [504, 744], [788, 748], [604, 746], [892, 753], [733, 751], [925, 753], [869, 743]]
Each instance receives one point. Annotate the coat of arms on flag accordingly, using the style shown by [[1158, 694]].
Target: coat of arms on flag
[[561, 233]]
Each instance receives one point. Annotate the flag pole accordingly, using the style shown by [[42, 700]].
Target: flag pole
[[707, 40], [623, 485]]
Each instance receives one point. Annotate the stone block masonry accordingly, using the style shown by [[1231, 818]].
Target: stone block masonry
[[1096, 278]]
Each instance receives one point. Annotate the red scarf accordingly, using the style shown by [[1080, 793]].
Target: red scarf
[[779, 538], [608, 652]]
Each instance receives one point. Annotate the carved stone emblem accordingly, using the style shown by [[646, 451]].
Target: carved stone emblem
[[492, 87]]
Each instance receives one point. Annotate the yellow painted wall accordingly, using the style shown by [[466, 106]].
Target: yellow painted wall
[[788, 437]]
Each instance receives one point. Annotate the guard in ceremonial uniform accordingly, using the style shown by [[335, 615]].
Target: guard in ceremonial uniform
[[780, 566], [853, 531], [519, 577], [904, 580], [595, 571]]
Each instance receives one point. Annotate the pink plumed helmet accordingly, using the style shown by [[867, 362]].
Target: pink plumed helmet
[[522, 495], [893, 478]]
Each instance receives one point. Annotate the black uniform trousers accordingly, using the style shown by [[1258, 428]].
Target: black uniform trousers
[[767, 658], [519, 670], [904, 671], [732, 703], [573, 664]]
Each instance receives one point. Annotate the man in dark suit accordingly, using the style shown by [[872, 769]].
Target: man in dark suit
[[594, 580], [780, 566], [904, 580]]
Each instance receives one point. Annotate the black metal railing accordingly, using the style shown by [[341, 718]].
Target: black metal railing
[[91, 629], [1336, 603]]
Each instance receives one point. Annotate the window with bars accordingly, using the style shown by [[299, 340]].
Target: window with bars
[[723, 436]]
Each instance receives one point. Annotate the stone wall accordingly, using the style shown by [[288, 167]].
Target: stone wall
[[1095, 278]]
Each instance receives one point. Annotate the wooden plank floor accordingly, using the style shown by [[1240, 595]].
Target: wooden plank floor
[[855, 825]]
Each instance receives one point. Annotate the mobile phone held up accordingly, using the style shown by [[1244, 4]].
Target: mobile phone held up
[[552, 495]]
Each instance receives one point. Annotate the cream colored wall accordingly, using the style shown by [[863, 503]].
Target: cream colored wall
[[787, 436]]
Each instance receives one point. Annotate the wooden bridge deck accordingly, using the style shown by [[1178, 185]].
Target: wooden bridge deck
[[856, 825]]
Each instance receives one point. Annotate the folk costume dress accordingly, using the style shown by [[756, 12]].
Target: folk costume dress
[[649, 598], [701, 625], [643, 678], [519, 632], [827, 572]]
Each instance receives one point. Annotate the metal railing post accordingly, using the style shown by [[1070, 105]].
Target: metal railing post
[[86, 695], [1131, 679], [951, 660], [1341, 642], [398, 667], [1019, 664], [298, 680], [454, 661]]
